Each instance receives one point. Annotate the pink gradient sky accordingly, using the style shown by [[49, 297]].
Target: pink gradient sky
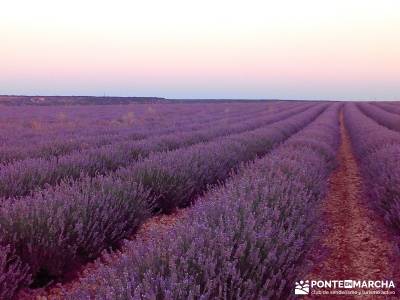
[[202, 49]]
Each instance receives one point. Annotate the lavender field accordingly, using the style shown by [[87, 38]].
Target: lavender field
[[180, 200]]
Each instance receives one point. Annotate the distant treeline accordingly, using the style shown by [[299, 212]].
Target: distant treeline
[[73, 100], [105, 100]]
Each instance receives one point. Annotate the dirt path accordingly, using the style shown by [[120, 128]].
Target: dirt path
[[356, 243]]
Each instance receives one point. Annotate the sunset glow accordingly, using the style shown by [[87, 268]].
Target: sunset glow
[[202, 49]]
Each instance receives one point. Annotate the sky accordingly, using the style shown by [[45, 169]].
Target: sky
[[309, 49]]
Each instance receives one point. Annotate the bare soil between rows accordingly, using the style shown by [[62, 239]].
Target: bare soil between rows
[[354, 241]]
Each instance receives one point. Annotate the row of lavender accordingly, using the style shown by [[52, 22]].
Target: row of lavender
[[28, 122], [55, 229], [89, 120], [87, 116], [245, 240], [378, 150], [25, 123], [47, 145], [383, 117], [21, 177], [388, 106]]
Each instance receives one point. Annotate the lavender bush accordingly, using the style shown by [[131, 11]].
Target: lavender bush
[[22, 177], [179, 176], [13, 274], [61, 226], [245, 240], [388, 106], [378, 150], [47, 145], [383, 117], [58, 227]]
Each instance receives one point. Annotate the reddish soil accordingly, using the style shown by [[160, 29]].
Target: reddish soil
[[356, 243], [159, 223]]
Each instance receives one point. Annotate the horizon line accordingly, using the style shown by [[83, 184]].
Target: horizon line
[[194, 99]]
